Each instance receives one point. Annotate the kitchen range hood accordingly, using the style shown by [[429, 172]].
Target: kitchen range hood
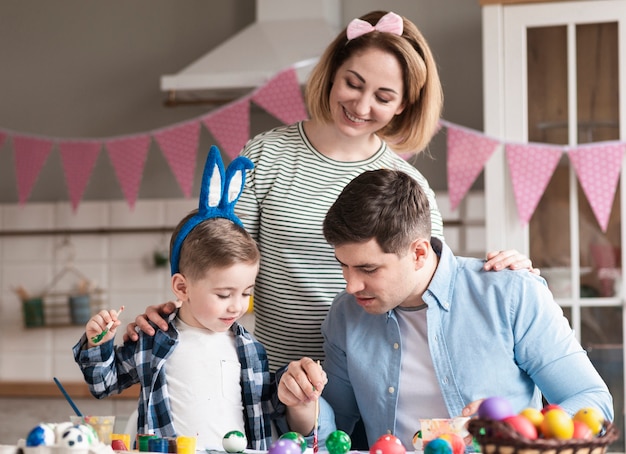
[[286, 33]]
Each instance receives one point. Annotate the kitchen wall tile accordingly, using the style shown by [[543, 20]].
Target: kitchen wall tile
[[175, 210], [21, 249], [26, 365], [136, 247], [147, 213], [133, 276], [82, 248], [90, 215], [32, 216], [34, 276], [135, 303]]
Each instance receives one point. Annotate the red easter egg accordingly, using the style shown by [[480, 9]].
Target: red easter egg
[[582, 431], [549, 407], [388, 444], [522, 425]]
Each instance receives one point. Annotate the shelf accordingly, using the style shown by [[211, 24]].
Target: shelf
[[49, 389]]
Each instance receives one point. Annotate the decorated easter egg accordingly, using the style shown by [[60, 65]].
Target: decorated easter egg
[[338, 442], [284, 446], [74, 437], [582, 431], [533, 415], [438, 446], [592, 417], [522, 425], [61, 427], [557, 424], [496, 408], [456, 441], [388, 444], [90, 433], [234, 441], [418, 444], [297, 437], [41, 435]]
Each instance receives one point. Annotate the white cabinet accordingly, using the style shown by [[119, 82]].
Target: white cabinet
[[555, 73]]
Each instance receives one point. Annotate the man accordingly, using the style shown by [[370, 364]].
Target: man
[[420, 333]]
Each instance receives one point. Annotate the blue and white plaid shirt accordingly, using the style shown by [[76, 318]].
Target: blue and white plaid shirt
[[109, 370]]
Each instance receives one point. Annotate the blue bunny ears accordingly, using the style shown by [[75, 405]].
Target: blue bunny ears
[[218, 195]]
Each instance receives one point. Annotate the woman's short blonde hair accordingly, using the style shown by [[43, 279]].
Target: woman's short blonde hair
[[413, 128]]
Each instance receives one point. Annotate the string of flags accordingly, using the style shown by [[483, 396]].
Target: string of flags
[[531, 165]]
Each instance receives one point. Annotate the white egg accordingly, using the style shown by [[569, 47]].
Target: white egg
[[74, 437], [234, 441], [41, 435]]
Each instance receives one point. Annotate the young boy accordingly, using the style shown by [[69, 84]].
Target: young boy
[[206, 375]]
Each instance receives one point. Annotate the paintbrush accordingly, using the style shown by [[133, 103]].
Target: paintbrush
[[98, 338], [317, 419]]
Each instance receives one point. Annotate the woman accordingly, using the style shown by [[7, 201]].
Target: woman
[[374, 92]]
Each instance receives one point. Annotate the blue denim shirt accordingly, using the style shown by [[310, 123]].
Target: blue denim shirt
[[489, 334]]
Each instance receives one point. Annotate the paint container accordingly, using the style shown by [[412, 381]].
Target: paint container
[[124, 438], [142, 441], [186, 445], [157, 445], [171, 445]]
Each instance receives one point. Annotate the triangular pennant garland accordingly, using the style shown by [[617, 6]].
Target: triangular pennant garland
[[78, 159], [531, 167], [179, 145], [282, 97], [598, 168], [230, 126], [30, 155], [468, 151], [128, 156]]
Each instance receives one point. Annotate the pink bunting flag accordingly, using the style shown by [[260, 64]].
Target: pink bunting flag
[[30, 155], [282, 97], [78, 159], [468, 151], [230, 126], [531, 166], [128, 157], [598, 168], [180, 147]]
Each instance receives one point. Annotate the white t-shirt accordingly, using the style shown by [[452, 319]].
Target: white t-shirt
[[204, 382], [419, 396]]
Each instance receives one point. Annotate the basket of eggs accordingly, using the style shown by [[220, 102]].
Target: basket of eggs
[[547, 431]]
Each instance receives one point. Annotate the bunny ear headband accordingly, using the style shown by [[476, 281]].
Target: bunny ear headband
[[219, 192], [389, 23]]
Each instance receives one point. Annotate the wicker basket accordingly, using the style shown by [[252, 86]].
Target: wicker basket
[[496, 437]]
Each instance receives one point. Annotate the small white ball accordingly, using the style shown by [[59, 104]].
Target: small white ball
[[234, 441]]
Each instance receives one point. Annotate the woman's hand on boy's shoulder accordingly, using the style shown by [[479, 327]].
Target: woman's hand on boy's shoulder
[[156, 314]]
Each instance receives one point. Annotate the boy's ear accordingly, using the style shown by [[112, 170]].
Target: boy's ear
[[179, 286]]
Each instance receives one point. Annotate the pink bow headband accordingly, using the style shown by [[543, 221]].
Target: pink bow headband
[[389, 23]]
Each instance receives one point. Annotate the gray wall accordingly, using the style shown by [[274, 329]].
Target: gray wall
[[81, 68]]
